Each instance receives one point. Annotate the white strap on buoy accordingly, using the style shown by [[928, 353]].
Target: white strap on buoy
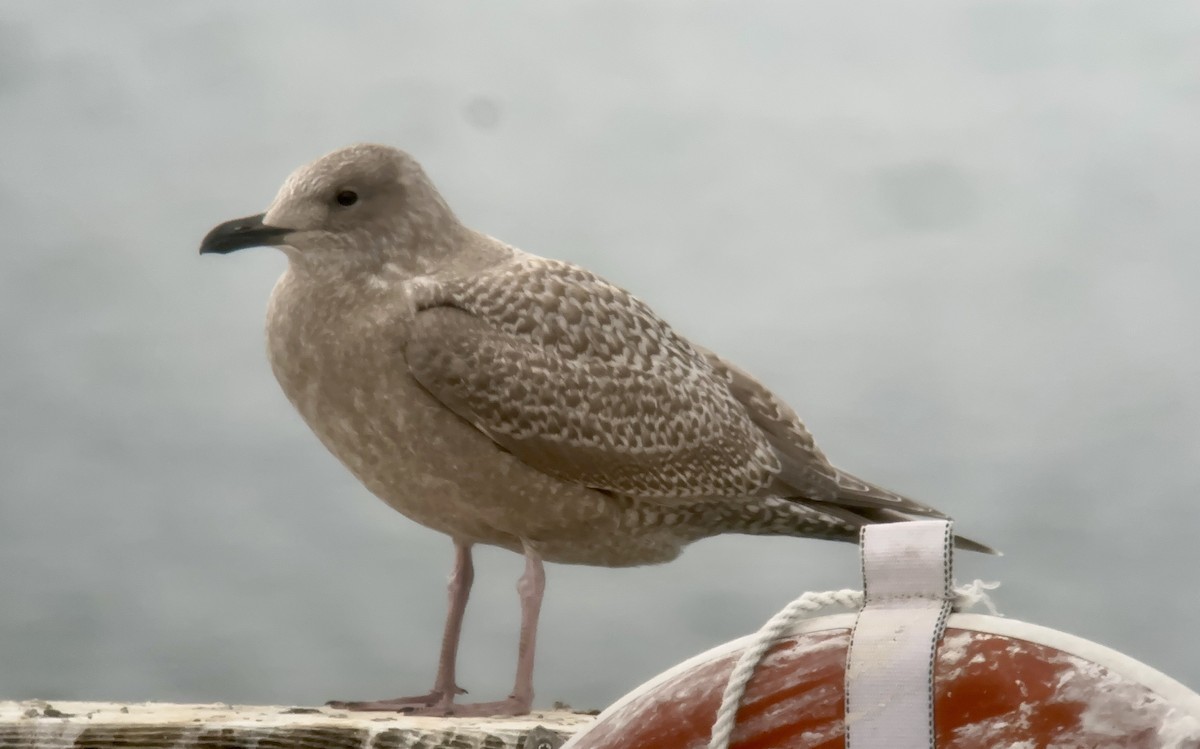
[[934, 557], [889, 668]]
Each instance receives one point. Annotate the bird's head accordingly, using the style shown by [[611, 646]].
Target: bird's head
[[362, 205]]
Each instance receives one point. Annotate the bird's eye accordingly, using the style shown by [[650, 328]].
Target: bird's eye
[[347, 197]]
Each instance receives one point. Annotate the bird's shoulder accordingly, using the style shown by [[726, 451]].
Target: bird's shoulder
[[564, 307]]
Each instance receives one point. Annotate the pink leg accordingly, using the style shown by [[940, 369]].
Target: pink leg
[[531, 588], [444, 688]]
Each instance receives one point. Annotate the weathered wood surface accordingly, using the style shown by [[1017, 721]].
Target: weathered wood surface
[[103, 725]]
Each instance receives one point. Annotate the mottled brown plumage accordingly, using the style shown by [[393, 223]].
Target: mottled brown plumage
[[508, 399]]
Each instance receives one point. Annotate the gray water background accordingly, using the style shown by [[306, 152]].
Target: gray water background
[[960, 237]]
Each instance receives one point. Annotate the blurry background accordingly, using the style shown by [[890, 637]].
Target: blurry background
[[960, 237]]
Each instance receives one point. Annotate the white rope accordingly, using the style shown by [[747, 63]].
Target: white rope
[[965, 597], [735, 688], [974, 594]]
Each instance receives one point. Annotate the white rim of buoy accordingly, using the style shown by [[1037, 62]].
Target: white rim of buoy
[[1175, 693]]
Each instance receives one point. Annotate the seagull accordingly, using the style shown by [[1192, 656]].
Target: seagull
[[508, 399]]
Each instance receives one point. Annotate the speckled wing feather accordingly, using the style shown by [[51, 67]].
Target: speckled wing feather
[[804, 471], [582, 381]]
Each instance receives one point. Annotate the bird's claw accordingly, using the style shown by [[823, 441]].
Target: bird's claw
[[435, 699]]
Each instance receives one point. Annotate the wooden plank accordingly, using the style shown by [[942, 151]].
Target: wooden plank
[[36, 724]]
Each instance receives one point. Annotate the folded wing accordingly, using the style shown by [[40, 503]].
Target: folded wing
[[580, 380]]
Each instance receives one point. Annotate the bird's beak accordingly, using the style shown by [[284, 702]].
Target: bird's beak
[[241, 233]]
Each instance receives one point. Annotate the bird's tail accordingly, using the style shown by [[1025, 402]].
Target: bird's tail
[[860, 503], [857, 517]]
